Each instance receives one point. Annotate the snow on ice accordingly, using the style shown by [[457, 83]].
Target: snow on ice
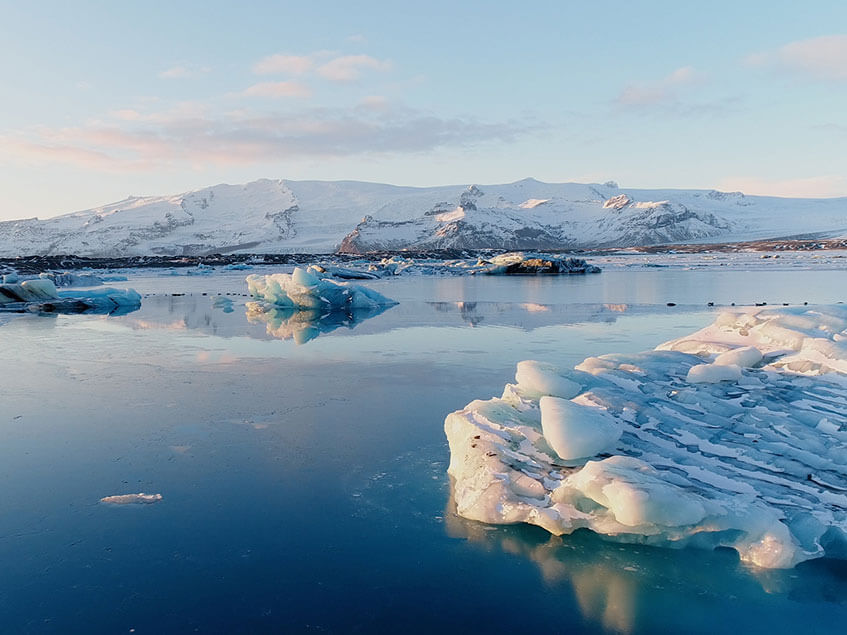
[[733, 436]]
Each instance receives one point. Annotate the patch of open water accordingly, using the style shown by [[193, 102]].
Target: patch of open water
[[304, 485]]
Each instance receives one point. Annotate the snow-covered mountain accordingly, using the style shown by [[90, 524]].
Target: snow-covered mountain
[[276, 216]]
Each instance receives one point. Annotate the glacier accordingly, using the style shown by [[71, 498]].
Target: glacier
[[733, 436]]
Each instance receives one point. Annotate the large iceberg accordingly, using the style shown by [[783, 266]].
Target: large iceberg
[[304, 289], [733, 436]]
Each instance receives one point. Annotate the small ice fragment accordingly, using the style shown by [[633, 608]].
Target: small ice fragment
[[575, 431], [825, 425], [713, 373], [537, 378], [746, 357], [634, 493], [131, 499]]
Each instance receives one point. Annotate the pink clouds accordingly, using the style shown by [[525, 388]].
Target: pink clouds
[[350, 67], [284, 64], [278, 89], [658, 92], [188, 134], [343, 68], [823, 57], [184, 71], [825, 186]]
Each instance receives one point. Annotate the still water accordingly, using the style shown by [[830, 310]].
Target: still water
[[303, 466]]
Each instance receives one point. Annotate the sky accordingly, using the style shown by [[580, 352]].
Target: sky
[[102, 100]]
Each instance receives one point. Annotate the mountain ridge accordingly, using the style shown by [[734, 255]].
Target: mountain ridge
[[282, 216]]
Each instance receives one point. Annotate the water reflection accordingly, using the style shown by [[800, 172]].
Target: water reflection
[[529, 314], [633, 588], [231, 317], [304, 325], [64, 306]]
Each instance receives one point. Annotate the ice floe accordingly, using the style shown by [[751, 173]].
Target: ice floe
[[510, 263], [304, 289], [748, 452], [516, 263], [72, 279], [41, 295], [131, 499]]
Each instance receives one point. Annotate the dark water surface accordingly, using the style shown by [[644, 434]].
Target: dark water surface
[[304, 486]]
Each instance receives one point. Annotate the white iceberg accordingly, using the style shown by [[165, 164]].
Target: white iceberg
[[305, 290], [750, 452]]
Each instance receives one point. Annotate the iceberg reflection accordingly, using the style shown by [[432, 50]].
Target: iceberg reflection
[[304, 325], [628, 588], [602, 577]]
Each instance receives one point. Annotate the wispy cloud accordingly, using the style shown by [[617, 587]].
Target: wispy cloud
[[329, 65], [374, 102], [130, 140], [824, 186], [823, 57], [184, 71], [284, 65], [22, 150], [660, 92], [676, 95], [350, 67], [278, 90]]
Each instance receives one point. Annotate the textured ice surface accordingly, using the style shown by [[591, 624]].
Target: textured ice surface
[[305, 290], [750, 452], [131, 499]]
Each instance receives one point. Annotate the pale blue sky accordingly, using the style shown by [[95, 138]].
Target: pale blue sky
[[101, 100]]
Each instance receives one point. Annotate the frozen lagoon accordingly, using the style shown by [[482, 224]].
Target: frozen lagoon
[[304, 486]]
